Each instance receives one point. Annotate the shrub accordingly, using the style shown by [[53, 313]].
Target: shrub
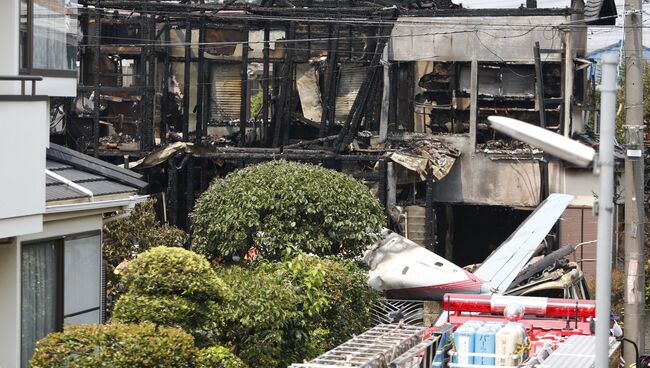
[[336, 298], [258, 322], [289, 311], [115, 346], [172, 287], [282, 207], [123, 239], [218, 357], [126, 237]]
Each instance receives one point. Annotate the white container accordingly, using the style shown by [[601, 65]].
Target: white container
[[507, 340]]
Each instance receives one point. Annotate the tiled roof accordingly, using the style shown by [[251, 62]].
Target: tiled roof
[[99, 177]]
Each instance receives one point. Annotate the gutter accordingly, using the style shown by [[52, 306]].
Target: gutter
[[129, 203]]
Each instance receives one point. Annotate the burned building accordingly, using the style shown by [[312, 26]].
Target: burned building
[[394, 92]]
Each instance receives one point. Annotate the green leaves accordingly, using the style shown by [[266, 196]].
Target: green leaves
[[299, 308], [173, 287], [283, 207], [115, 346]]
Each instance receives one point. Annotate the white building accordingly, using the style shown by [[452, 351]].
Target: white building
[[53, 201]]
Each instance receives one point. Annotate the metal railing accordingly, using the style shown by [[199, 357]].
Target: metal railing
[[419, 356], [23, 79]]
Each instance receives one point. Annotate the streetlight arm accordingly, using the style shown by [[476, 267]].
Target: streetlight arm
[[551, 143]]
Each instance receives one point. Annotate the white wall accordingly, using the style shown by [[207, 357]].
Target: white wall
[[10, 280], [24, 127], [9, 20], [9, 305], [456, 38], [55, 87]]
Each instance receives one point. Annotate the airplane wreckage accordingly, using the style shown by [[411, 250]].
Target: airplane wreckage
[[402, 269]]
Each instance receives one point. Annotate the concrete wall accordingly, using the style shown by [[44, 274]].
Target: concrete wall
[[24, 126], [478, 178], [464, 38]]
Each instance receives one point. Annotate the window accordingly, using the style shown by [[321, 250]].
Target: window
[[60, 285], [48, 37]]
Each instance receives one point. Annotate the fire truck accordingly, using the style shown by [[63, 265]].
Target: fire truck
[[481, 331]]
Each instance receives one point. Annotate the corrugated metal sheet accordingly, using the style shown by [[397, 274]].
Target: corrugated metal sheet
[[351, 78], [225, 97]]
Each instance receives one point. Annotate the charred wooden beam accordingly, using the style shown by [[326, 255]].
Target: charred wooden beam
[[382, 190], [243, 107], [186, 81], [312, 142], [164, 101], [429, 223], [200, 87], [148, 117], [265, 85], [360, 102], [96, 84], [288, 110], [283, 112], [189, 194]]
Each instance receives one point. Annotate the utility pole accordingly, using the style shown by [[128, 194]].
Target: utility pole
[[634, 206]]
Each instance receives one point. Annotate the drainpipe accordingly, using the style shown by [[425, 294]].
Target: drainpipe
[[71, 184]]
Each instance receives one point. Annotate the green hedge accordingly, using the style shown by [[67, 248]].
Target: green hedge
[[172, 287], [281, 208], [115, 346]]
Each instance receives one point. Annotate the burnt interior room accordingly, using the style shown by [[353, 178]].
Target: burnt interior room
[[467, 234]]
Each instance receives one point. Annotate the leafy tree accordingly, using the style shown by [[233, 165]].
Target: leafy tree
[[280, 208], [115, 346], [172, 287]]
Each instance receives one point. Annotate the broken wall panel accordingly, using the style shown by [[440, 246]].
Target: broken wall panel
[[309, 91], [256, 43], [225, 96]]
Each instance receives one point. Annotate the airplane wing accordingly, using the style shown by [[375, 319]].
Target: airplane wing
[[504, 264]]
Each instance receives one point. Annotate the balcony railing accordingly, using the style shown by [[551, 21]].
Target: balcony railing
[[23, 78]]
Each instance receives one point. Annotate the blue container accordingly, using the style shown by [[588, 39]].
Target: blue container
[[464, 339], [485, 343]]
